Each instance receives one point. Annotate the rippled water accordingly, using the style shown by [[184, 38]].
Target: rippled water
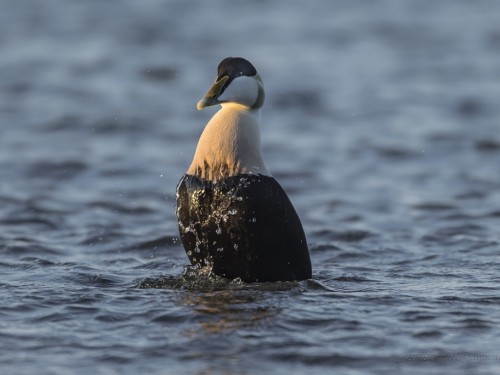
[[381, 122]]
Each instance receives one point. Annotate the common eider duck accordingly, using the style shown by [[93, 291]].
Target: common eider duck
[[233, 215]]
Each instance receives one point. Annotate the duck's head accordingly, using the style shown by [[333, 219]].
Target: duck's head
[[237, 82]]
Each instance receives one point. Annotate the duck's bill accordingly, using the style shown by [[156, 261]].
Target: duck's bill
[[212, 96]]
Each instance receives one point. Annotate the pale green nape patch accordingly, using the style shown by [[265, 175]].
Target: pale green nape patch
[[261, 96]]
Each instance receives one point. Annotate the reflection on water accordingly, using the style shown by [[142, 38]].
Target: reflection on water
[[227, 311]]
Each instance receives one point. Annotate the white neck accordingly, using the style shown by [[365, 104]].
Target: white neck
[[229, 145]]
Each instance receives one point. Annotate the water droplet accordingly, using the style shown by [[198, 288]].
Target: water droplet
[[235, 246], [254, 220], [218, 231]]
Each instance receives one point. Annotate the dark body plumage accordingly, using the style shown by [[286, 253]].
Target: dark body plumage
[[242, 226]]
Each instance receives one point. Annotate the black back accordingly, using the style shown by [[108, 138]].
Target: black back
[[244, 226]]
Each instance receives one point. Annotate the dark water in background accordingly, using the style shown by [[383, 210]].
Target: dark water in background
[[382, 122]]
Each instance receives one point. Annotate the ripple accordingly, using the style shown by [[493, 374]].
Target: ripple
[[434, 206], [460, 230], [476, 323], [161, 242], [493, 300], [418, 316], [487, 145], [115, 359], [51, 317], [38, 261], [101, 281], [323, 247], [428, 334], [308, 100], [395, 153], [346, 236], [469, 107], [31, 221], [494, 214], [27, 263], [160, 264], [132, 209], [29, 248], [112, 318], [473, 194], [56, 169], [353, 279], [64, 123], [159, 73], [331, 359], [172, 317], [112, 125]]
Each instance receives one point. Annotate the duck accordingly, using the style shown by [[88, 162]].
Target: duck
[[234, 218]]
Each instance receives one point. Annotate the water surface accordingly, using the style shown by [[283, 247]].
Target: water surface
[[381, 122]]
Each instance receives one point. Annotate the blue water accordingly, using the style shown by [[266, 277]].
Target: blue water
[[382, 123]]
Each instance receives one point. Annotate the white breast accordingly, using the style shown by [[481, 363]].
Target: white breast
[[229, 145]]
